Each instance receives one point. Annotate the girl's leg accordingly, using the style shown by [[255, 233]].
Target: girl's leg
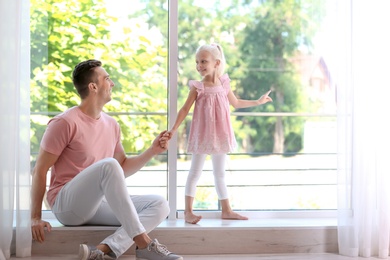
[[196, 168], [189, 215], [219, 162], [228, 213]]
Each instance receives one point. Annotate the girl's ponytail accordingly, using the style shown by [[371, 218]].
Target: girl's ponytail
[[221, 68]]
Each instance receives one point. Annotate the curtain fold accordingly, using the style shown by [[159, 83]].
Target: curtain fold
[[15, 228], [363, 128]]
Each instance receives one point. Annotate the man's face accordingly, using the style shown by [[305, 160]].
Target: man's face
[[104, 84]]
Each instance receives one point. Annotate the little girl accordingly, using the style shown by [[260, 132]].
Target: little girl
[[211, 131]]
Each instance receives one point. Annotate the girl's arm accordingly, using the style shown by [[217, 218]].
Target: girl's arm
[[183, 112], [241, 103]]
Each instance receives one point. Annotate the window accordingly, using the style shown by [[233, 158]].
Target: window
[[286, 159], [133, 53], [286, 156]]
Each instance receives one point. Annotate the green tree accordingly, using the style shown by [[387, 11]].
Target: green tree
[[64, 33], [259, 39], [277, 31], [212, 25]]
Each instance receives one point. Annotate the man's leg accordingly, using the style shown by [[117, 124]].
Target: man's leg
[[152, 210], [80, 199]]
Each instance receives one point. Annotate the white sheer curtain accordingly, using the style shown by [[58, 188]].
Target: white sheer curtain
[[363, 127], [14, 129]]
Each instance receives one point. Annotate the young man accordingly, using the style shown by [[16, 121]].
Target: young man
[[88, 169]]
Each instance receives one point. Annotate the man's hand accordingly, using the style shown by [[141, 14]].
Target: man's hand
[[168, 134], [161, 142], [165, 136], [38, 229]]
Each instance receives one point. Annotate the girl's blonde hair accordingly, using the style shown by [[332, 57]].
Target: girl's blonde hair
[[216, 51]]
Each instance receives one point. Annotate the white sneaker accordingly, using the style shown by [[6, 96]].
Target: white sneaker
[[155, 251], [90, 253]]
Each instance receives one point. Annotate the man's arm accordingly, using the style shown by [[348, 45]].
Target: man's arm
[[133, 164], [38, 188]]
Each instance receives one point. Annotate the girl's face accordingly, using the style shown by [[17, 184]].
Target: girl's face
[[205, 63]]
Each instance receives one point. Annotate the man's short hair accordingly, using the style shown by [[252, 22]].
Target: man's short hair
[[83, 74]]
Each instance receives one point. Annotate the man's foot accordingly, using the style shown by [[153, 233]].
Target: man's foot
[[192, 218], [155, 251], [90, 253], [233, 215]]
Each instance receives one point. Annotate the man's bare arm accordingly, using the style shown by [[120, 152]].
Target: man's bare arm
[[38, 188]]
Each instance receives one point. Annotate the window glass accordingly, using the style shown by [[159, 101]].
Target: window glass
[[285, 158], [286, 155], [63, 33]]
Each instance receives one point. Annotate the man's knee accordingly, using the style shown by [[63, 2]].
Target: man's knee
[[162, 204], [111, 165]]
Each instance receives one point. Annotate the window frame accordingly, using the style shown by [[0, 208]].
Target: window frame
[[172, 151]]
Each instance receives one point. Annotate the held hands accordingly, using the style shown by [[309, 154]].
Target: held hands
[[265, 98], [163, 139], [38, 229], [169, 134], [161, 142]]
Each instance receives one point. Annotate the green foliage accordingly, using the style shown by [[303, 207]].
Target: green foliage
[[63, 33], [259, 39], [292, 144], [205, 198], [279, 29]]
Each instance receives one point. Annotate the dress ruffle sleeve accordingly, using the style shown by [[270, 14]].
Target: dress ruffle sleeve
[[225, 80], [198, 85]]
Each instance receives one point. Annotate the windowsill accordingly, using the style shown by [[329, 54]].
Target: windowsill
[[263, 233], [257, 220]]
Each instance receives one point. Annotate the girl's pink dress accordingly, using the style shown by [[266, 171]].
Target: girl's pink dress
[[211, 131]]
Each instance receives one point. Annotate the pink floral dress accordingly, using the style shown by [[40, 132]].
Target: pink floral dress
[[211, 131]]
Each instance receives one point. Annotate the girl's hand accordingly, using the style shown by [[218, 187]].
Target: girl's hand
[[163, 140], [265, 98], [169, 134]]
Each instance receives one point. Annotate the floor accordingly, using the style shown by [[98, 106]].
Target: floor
[[230, 257]]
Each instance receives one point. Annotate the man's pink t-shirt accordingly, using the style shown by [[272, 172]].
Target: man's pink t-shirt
[[79, 141]]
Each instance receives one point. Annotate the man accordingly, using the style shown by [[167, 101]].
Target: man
[[88, 169]]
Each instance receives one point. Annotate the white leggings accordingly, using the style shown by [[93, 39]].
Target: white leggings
[[197, 163], [98, 196]]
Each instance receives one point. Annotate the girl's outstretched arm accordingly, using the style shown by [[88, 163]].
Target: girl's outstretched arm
[[183, 112], [242, 103]]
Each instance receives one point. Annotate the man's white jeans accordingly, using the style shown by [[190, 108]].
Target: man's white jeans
[[98, 196]]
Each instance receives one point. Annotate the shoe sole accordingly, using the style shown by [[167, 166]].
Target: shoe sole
[[83, 252], [137, 258]]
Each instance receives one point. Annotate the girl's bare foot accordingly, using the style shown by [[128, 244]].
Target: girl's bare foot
[[233, 215], [191, 218]]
